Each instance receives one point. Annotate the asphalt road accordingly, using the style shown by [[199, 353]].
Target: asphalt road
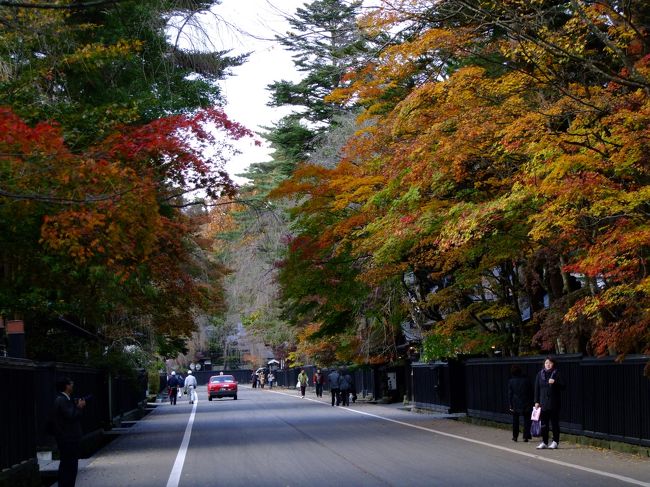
[[274, 438]]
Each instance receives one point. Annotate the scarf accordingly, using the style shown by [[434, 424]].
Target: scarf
[[548, 374]]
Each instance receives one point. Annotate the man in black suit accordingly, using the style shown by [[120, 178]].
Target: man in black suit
[[67, 431]]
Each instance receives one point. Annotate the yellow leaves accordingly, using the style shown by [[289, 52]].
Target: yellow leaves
[[375, 85], [467, 222], [620, 201], [353, 189], [99, 54], [415, 112], [643, 286], [38, 19], [498, 312]]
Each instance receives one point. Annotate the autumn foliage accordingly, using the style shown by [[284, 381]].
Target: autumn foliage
[[504, 170], [115, 211]]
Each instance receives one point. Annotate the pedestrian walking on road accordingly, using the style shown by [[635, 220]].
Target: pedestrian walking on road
[[318, 380], [303, 381], [172, 386], [181, 381], [254, 380], [548, 386], [66, 425], [520, 401], [190, 386], [271, 379], [334, 379], [345, 386], [353, 388]]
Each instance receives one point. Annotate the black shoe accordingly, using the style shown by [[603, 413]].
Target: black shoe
[[514, 439], [525, 440]]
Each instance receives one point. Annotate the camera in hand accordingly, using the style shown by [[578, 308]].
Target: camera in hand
[[87, 397]]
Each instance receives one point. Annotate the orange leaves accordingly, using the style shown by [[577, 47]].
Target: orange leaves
[[511, 169], [381, 83], [104, 205], [351, 189], [19, 141], [629, 331], [306, 180], [175, 149]]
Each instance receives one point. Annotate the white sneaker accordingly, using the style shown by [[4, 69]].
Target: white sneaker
[[552, 446], [542, 446]]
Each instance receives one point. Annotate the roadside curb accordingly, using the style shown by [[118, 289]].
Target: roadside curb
[[617, 446]]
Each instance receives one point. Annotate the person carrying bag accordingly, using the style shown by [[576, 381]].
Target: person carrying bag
[[535, 423], [548, 386]]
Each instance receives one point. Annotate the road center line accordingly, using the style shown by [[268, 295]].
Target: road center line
[[175, 475], [622, 478]]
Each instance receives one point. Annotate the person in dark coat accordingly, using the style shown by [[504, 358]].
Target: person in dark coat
[[334, 379], [66, 418], [318, 380], [181, 382], [548, 388], [172, 384], [345, 385], [520, 401]]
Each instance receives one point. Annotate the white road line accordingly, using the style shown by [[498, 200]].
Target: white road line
[[622, 478], [175, 476], [602, 473]]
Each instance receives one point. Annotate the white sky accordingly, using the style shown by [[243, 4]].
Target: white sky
[[245, 91]]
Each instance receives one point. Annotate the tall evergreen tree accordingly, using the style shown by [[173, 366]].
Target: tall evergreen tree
[[93, 68], [326, 42]]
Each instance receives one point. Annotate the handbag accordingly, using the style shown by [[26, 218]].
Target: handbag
[[536, 414], [298, 385], [536, 428]]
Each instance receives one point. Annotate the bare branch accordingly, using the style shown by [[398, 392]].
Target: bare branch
[[48, 6], [63, 201]]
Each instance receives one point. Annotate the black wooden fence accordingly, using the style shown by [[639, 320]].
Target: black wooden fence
[[17, 410], [603, 399], [439, 386], [31, 389]]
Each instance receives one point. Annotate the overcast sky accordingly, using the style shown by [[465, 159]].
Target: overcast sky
[[246, 90]]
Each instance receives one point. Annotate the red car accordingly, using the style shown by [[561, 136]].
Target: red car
[[222, 386]]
